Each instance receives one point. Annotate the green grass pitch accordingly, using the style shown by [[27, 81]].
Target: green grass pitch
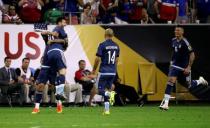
[[121, 117]]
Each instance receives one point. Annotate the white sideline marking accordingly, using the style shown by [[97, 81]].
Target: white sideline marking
[[35, 127]]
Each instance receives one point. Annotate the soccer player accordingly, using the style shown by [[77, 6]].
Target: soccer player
[[53, 63], [107, 55], [181, 63]]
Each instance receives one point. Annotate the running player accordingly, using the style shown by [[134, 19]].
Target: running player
[[181, 63]]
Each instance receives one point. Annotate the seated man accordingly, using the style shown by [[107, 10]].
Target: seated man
[[77, 88], [87, 81], [9, 81], [27, 74], [128, 92]]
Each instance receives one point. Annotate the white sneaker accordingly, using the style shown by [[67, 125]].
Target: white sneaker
[[163, 105], [203, 81]]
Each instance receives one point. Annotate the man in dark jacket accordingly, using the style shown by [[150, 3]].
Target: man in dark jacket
[[9, 81]]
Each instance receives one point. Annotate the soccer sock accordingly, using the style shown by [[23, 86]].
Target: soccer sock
[[59, 102], [106, 106], [169, 88], [106, 100], [38, 99], [61, 84], [60, 89], [37, 105], [167, 98]]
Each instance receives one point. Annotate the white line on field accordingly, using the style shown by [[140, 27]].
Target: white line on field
[[35, 127]]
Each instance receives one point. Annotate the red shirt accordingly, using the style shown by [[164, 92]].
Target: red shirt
[[106, 3], [29, 12], [79, 74], [168, 9]]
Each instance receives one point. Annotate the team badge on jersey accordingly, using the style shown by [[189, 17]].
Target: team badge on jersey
[[189, 47]]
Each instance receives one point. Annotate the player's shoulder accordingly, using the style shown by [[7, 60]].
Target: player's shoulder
[[101, 44], [186, 42], [173, 39]]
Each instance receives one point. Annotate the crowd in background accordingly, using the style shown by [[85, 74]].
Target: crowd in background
[[105, 11]]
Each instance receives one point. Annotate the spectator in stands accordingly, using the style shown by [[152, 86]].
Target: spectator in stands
[[9, 81], [94, 6], [145, 19], [183, 12], [150, 7], [137, 6], [11, 17], [10, 2], [52, 10], [50, 4], [71, 6], [87, 16], [52, 15], [125, 10], [84, 77], [30, 10], [108, 10], [27, 74], [167, 10], [203, 10], [1, 11]]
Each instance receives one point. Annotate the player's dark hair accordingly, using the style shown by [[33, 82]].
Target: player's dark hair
[[6, 58], [179, 26], [81, 61], [60, 19], [26, 58]]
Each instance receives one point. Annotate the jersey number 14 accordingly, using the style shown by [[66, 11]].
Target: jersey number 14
[[111, 57]]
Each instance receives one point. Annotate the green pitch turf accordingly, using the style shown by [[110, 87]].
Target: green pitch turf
[[121, 117]]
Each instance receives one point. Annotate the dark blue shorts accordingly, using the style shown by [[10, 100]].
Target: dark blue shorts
[[173, 72], [54, 60], [104, 82], [46, 75]]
